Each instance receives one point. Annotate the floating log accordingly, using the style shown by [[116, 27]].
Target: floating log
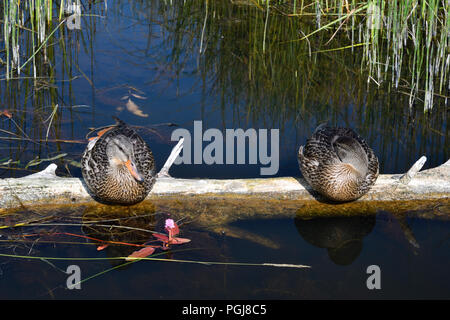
[[215, 204], [46, 188]]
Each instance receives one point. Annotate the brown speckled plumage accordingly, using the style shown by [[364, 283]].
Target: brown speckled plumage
[[105, 173], [338, 163]]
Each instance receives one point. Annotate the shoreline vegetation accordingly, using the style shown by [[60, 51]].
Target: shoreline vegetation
[[402, 43]]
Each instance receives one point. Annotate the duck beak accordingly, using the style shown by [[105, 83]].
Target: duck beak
[[133, 170]]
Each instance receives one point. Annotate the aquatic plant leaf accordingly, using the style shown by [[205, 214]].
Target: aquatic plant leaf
[[134, 109], [161, 237], [172, 240], [6, 113], [144, 252], [138, 96], [176, 240], [10, 161], [103, 131], [74, 163], [172, 228]]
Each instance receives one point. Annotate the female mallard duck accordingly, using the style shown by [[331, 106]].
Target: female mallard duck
[[118, 166], [338, 163]]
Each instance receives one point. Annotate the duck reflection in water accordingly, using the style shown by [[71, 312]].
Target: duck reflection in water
[[119, 227], [341, 236]]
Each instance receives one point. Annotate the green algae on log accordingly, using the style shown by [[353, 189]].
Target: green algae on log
[[46, 188]]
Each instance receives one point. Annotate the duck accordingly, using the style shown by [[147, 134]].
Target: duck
[[337, 163], [117, 165]]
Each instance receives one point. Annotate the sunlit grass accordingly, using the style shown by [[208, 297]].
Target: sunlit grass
[[404, 40]]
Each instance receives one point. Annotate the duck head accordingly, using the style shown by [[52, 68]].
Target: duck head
[[121, 157]]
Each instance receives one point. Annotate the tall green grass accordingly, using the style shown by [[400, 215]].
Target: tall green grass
[[408, 49], [38, 62], [405, 42], [27, 27], [407, 46], [308, 70], [14, 15]]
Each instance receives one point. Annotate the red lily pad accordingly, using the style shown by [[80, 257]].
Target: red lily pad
[[144, 252], [102, 247]]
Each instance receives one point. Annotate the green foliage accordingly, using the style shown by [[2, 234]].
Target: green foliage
[[403, 42]]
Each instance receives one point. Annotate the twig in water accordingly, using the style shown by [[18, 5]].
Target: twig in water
[[51, 119], [203, 29], [406, 178], [343, 22], [164, 172]]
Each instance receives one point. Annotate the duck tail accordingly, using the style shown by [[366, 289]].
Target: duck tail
[[321, 126], [119, 122]]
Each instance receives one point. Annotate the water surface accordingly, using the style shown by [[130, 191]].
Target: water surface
[[173, 68], [338, 249]]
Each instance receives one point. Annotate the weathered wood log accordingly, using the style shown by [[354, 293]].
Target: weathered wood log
[[215, 204], [45, 187]]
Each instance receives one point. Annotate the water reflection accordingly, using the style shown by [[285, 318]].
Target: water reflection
[[119, 230], [406, 273], [341, 236]]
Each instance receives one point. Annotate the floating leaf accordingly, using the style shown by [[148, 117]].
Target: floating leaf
[[177, 240], [99, 248], [161, 237], [172, 240], [144, 252], [134, 109], [6, 113], [138, 96], [103, 131]]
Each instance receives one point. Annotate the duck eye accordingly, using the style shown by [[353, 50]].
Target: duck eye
[[119, 147]]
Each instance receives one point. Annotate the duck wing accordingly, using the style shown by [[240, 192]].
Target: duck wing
[[329, 145], [350, 151]]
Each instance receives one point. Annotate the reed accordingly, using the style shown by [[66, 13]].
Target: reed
[[24, 21], [402, 42], [303, 74], [35, 46]]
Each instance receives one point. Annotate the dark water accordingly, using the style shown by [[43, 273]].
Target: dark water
[[339, 251], [149, 52]]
